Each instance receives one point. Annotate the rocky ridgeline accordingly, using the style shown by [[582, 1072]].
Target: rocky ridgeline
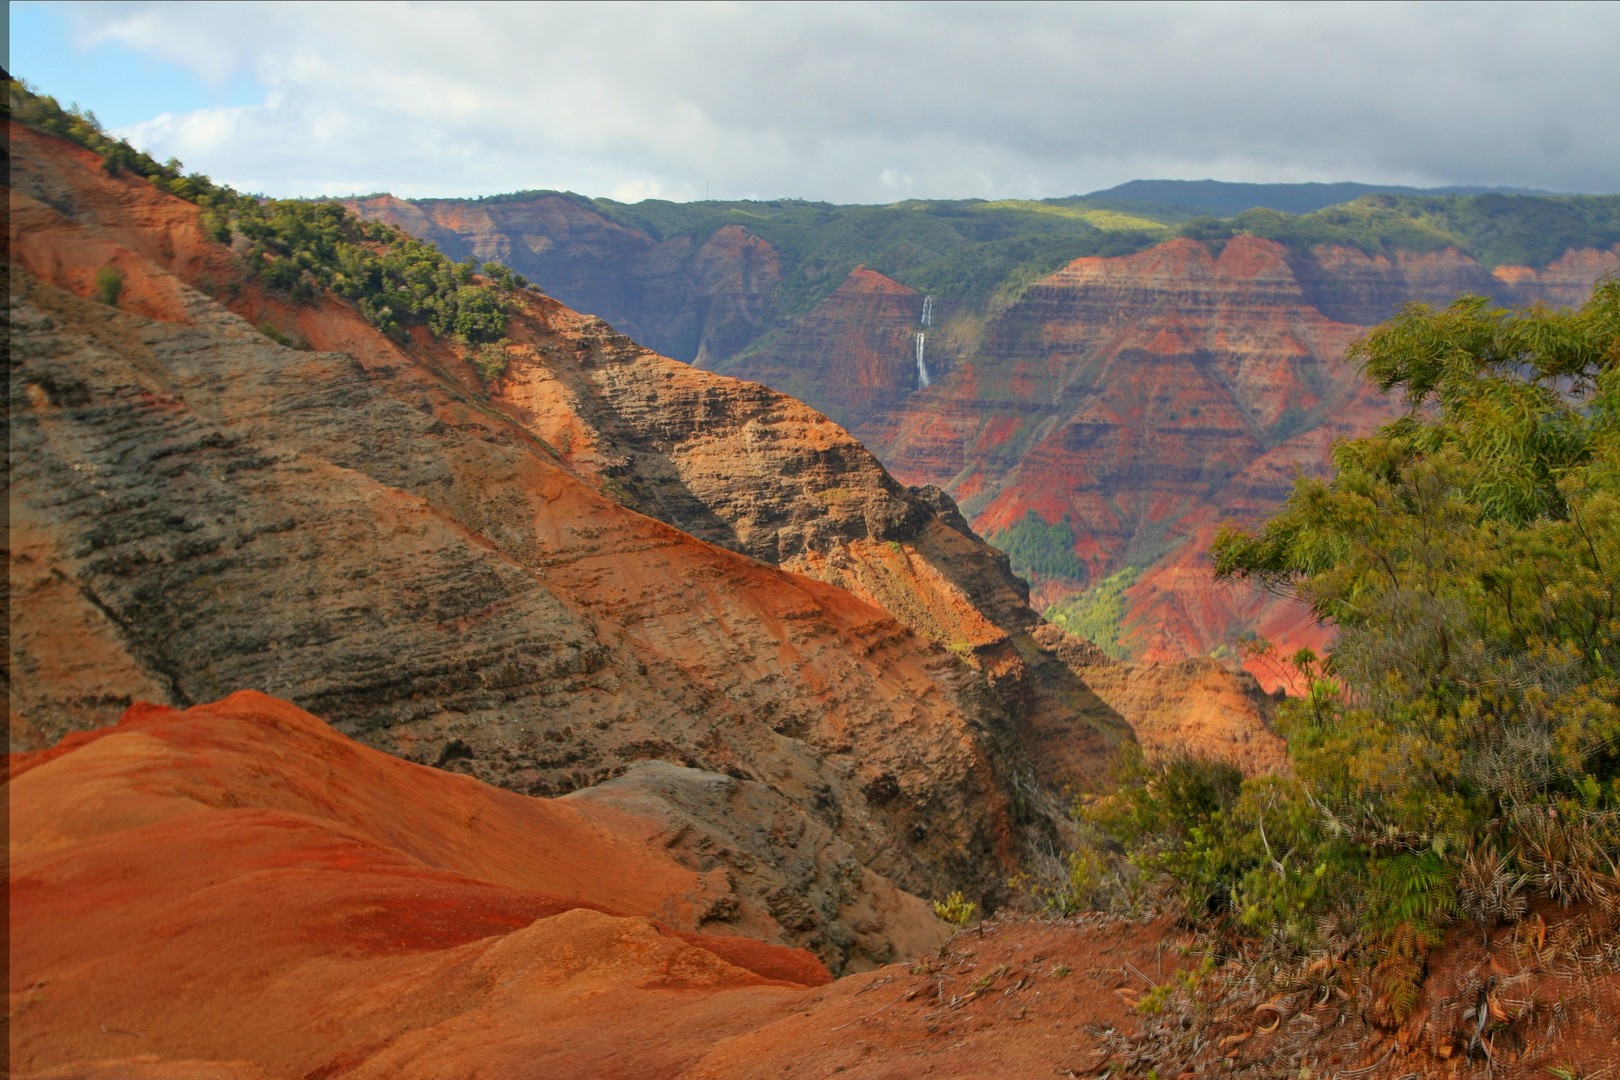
[[695, 301]]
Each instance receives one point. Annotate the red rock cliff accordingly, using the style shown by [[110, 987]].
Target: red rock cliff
[[1148, 397], [357, 527], [851, 356]]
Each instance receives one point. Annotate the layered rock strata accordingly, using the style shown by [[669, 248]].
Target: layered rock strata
[[1144, 400], [1143, 397], [689, 298], [854, 354], [358, 527]]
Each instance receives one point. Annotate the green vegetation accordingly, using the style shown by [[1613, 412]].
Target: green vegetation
[[271, 331], [394, 280], [983, 254], [1079, 883], [1033, 546], [298, 247], [956, 909], [1469, 555], [490, 361], [1108, 220], [1459, 750], [1226, 198], [1498, 230], [967, 249], [1098, 614], [109, 286]]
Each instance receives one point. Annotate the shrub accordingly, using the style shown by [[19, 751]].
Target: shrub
[[490, 361], [1098, 614], [1459, 748], [109, 285], [956, 909], [1468, 555]]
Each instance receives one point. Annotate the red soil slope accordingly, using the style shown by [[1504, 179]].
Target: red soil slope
[[239, 883], [237, 892]]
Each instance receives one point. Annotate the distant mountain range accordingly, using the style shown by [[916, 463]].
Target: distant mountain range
[[1224, 198]]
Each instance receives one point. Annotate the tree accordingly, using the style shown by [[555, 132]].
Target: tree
[[1469, 554], [1461, 742]]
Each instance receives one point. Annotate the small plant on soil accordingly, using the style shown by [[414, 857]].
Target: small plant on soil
[[956, 909], [109, 285]]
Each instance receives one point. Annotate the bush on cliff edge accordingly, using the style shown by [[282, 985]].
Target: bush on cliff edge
[[1459, 748]]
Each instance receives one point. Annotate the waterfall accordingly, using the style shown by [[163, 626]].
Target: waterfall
[[927, 320]]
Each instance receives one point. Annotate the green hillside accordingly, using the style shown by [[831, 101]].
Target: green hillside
[[976, 251]]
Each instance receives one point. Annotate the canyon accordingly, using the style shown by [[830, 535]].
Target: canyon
[[1114, 413], [377, 712], [356, 527], [607, 571]]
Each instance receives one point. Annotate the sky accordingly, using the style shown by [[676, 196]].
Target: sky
[[841, 102]]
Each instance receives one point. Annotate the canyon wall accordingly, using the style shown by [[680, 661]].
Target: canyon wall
[[682, 297], [1137, 401], [1144, 400], [609, 571]]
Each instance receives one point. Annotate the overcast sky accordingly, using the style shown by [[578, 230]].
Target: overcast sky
[[867, 102]]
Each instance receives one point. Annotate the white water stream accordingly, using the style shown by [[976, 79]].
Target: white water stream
[[927, 320]]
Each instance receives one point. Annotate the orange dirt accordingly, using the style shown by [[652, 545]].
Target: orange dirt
[[237, 892], [238, 882]]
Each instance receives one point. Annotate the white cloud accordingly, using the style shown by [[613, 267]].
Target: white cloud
[[869, 102]]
